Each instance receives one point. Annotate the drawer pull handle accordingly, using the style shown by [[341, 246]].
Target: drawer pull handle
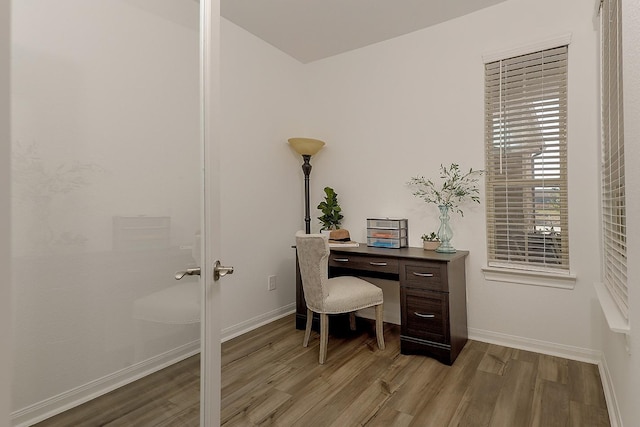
[[423, 274], [426, 316], [378, 264], [341, 259]]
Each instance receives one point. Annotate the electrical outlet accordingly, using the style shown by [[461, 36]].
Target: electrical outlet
[[271, 283]]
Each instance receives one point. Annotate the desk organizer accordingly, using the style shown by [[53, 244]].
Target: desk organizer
[[387, 232]]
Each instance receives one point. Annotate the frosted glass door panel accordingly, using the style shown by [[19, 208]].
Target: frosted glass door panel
[[106, 194]]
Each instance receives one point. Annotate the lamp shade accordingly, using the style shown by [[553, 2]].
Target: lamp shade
[[306, 146]]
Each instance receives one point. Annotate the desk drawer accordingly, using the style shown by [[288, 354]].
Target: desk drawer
[[426, 315], [424, 275], [368, 263]]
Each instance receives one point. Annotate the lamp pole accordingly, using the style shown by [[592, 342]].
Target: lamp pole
[[306, 169]]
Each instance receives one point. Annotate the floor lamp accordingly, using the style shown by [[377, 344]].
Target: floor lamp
[[306, 147]]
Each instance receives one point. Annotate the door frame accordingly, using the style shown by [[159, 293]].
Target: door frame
[[210, 365], [6, 343]]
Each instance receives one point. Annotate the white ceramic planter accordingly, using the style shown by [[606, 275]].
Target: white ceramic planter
[[430, 246]]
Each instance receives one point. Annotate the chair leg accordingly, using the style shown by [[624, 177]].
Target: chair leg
[[324, 337], [352, 320], [379, 327], [307, 331]]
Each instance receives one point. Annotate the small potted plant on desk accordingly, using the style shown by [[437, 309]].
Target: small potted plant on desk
[[331, 212], [430, 242]]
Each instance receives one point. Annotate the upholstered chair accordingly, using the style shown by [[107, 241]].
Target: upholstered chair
[[338, 295]]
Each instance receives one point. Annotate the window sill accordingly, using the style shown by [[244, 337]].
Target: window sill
[[531, 278], [615, 319]]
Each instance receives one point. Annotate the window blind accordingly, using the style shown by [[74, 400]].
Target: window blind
[[526, 161], [612, 167]]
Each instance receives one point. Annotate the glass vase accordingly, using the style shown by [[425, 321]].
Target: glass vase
[[445, 234]]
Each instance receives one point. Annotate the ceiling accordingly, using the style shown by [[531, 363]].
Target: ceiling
[[309, 30]]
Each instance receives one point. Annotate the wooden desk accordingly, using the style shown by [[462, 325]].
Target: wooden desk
[[433, 301]]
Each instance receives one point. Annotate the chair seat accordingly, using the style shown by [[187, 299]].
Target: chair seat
[[349, 293]]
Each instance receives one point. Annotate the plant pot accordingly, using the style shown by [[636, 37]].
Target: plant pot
[[430, 246]]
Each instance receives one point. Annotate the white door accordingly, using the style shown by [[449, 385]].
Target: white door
[[113, 147]]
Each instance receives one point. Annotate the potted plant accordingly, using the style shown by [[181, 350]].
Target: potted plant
[[455, 189], [331, 212], [430, 242]]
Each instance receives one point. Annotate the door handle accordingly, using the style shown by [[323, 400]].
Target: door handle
[[188, 272], [220, 270]]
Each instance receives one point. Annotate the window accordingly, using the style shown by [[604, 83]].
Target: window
[[526, 161], [612, 168]]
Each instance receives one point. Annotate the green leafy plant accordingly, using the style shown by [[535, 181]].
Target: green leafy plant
[[455, 189], [433, 237], [331, 211]]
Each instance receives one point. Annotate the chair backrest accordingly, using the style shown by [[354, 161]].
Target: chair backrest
[[313, 258]]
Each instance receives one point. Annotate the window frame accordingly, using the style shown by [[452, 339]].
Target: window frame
[[505, 271], [613, 291]]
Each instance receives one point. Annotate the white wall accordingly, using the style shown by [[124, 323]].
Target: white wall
[[623, 365], [6, 350], [262, 106], [401, 107]]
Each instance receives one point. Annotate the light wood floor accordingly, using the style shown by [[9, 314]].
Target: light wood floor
[[268, 378]]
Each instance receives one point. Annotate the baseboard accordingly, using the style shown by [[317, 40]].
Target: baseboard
[[57, 404], [609, 393], [256, 322], [538, 346]]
